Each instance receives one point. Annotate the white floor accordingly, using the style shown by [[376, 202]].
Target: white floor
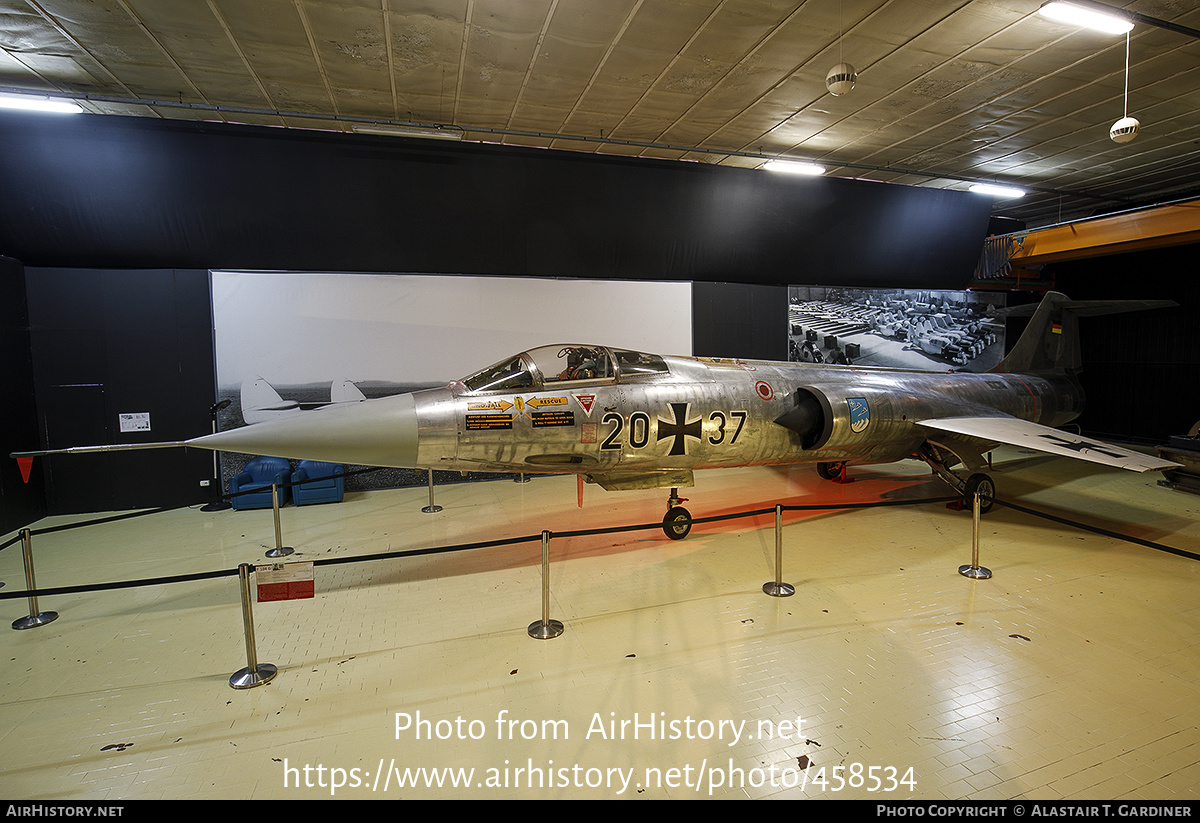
[[1072, 673]]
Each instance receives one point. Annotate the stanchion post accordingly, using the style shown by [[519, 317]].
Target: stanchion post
[[521, 478], [776, 587], [974, 570], [34, 618], [545, 628], [255, 673], [280, 550], [432, 507]]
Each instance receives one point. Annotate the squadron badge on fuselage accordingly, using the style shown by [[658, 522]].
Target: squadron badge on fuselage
[[860, 414]]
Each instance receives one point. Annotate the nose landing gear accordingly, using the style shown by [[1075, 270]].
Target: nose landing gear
[[677, 521]]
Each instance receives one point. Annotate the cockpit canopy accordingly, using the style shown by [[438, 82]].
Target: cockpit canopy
[[564, 365]]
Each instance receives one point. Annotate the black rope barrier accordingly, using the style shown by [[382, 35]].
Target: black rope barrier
[[1098, 530], [485, 544], [120, 584], [328, 561], [143, 512]]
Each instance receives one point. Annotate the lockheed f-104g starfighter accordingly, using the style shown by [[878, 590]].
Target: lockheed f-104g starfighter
[[631, 420]]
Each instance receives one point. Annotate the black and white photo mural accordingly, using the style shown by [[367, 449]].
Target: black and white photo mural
[[901, 328]]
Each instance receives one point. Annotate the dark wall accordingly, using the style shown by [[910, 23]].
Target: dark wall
[[1141, 371], [106, 342], [20, 503], [735, 320], [115, 192]]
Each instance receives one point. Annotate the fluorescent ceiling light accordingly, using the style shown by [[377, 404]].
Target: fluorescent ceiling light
[[37, 103], [1078, 14], [997, 191], [408, 131], [793, 167]]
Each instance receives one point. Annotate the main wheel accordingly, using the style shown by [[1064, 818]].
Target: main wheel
[[830, 471], [677, 523], [987, 492]]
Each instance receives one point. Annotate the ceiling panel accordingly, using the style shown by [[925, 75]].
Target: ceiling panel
[[948, 90]]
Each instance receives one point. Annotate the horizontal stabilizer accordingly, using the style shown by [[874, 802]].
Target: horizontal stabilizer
[[1041, 438], [1050, 343], [1086, 308]]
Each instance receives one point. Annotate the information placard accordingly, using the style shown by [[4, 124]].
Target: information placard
[[284, 581]]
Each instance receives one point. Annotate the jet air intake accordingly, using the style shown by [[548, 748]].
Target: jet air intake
[[848, 417], [806, 418]]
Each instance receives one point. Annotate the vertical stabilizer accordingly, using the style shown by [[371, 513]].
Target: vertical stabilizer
[[261, 402], [1050, 343]]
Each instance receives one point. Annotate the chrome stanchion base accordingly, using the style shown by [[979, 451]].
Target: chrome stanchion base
[[544, 631], [975, 572], [31, 621], [282, 551], [431, 509], [246, 679], [779, 589]]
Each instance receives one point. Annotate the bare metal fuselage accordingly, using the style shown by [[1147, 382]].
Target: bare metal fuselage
[[715, 413]]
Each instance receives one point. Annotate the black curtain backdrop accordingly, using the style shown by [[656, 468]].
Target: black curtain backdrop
[[733, 320], [1141, 370], [21, 503], [108, 342], [112, 192]]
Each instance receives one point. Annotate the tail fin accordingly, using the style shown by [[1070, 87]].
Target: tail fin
[[1050, 343], [261, 402], [343, 391]]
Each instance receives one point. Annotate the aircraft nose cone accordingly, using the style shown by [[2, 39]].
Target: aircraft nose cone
[[381, 432]]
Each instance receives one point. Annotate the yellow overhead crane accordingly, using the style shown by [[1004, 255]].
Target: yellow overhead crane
[[1152, 228]]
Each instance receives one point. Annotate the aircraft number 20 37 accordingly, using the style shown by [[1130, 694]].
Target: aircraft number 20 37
[[725, 426]]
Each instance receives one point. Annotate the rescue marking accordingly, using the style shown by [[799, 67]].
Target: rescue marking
[[484, 422], [543, 419], [489, 405]]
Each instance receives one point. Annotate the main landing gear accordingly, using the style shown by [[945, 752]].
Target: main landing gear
[[983, 485], [677, 521], [835, 472], [977, 483]]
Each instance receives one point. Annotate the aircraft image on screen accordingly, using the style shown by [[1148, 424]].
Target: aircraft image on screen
[[261, 402], [633, 420]]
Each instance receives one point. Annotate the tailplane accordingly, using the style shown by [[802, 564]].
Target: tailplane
[[1050, 343]]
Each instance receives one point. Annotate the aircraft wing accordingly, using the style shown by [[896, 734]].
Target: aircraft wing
[[1028, 435]]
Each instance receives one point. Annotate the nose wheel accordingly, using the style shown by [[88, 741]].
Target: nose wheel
[[677, 522]]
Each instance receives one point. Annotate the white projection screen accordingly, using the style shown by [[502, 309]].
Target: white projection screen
[[301, 333]]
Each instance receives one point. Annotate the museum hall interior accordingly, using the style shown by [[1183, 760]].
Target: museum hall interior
[[621, 399]]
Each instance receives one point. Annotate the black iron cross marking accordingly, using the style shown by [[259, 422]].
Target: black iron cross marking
[[680, 428], [1078, 447]]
